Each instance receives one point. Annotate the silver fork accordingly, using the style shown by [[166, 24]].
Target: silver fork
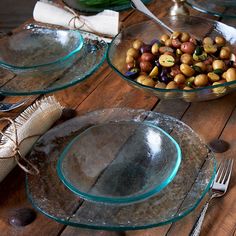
[[218, 189]]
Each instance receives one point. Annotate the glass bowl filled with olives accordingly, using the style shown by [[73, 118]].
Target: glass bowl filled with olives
[[195, 63]]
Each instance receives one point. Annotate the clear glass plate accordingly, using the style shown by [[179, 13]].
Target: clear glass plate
[[119, 162], [215, 7], [76, 4], [60, 75], [50, 196]]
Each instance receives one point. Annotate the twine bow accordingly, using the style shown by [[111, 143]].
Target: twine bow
[[83, 23], [28, 167]]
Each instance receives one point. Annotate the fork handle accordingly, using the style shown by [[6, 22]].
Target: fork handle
[[198, 224]]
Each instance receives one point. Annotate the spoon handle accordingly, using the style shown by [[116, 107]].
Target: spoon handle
[[139, 6]]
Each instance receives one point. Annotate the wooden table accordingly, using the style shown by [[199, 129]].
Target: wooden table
[[211, 120]]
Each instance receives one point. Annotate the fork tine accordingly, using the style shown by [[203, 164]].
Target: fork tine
[[229, 170], [224, 171], [219, 171]]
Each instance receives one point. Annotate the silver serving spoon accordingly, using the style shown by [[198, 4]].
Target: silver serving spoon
[[139, 6], [4, 107]]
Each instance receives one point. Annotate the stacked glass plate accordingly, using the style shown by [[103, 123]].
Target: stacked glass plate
[[136, 206]]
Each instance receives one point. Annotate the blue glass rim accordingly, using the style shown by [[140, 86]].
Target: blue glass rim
[[119, 200], [59, 60]]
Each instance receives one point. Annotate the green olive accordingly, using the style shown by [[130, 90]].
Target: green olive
[[187, 70], [207, 40], [133, 53], [230, 75], [137, 44], [179, 79], [225, 53], [201, 80], [184, 37], [164, 37], [186, 59], [213, 77], [220, 40], [218, 64]]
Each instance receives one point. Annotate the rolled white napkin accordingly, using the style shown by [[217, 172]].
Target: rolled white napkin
[[30, 124], [106, 22]]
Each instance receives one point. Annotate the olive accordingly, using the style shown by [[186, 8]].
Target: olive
[[220, 40], [145, 66], [145, 48], [186, 59], [230, 75], [184, 37], [188, 47], [225, 53], [179, 79], [207, 40], [137, 44], [218, 64], [176, 43], [164, 37], [155, 49], [133, 53], [201, 80], [147, 57], [187, 70]]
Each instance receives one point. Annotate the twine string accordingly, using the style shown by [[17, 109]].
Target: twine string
[[83, 23], [28, 167]]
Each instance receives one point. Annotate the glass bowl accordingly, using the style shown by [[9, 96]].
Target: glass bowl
[[119, 162], [148, 31], [51, 197], [34, 46], [70, 70], [226, 8]]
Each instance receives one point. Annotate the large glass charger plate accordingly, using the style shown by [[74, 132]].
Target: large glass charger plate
[[59, 75], [215, 7], [49, 195], [78, 5]]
